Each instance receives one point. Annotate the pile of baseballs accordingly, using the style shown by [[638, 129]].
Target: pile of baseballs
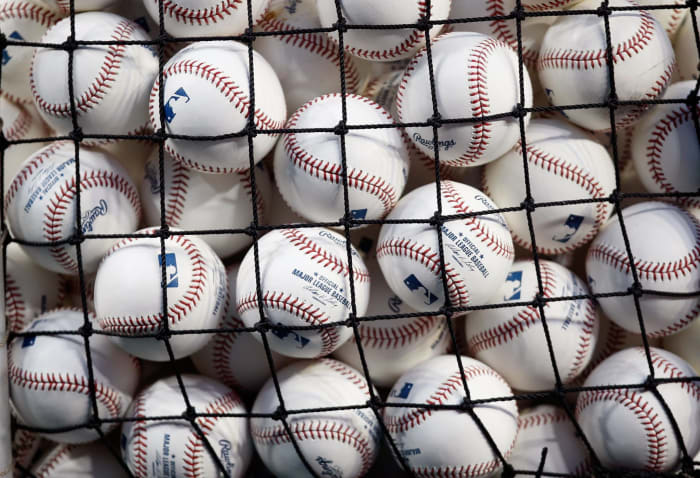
[[342, 249]]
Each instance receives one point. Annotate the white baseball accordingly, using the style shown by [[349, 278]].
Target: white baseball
[[383, 44], [63, 6], [183, 18], [308, 64], [338, 443], [305, 280], [131, 304], [475, 76], [77, 461], [512, 340], [172, 447], [665, 244], [574, 73], [30, 290], [199, 201], [447, 442], [685, 345], [665, 147], [564, 163], [21, 20], [308, 167], [670, 18], [210, 80], [221, 358], [392, 346], [549, 426], [41, 205], [20, 122], [628, 427], [548, 5], [49, 383], [111, 82], [478, 250], [687, 50]]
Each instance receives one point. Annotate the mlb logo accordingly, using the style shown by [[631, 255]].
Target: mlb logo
[[414, 284], [405, 390], [28, 341], [180, 95], [170, 269], [283, 334], [358, 213], [514, 285], [6, 56], [569, 228]]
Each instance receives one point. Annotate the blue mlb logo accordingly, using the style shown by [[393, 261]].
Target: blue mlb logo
[[28, 341], [404, 391], [569, 228], [180, 95], [414, 284], [283, 334], [171, 280], [514, 285], [6, 56], [359, 213]]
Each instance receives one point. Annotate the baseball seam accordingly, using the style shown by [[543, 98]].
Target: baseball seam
[[54, 461], [221, 350], [15, 307], [140, 440], [200, 16], [496, 8], [348, 374], [19, 127], [396, 336], [667, 367]]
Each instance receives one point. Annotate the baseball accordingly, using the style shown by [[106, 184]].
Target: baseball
[[549, 426], [30, 290], [111, 82], [564, 163], [383, 44], [21, 20], [548, 5], [49, 383], [393, 346], [336, 443], [131, 304], [470, 69], [40, 205], [665, 147], [210, 80], [444, 442], [77, 461], [198, 201], [686, 50], [478, 250], [628, 427], [669, 18], [63, 6], [512, 340], [182, 18], [172, 447], [308, 167], [685, 345], [221, 358], [665, 244], [305, 280], [307, 64], [574, 73]]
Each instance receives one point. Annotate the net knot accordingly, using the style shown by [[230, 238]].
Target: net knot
[[340, 129], [340, 26], [538, 301], [86, 330], [636, 289], [262, 326], [435, 121], [279, 414], [423, 24], [604, 10], [528, 204], [70, 44], [189, 414], [163, 334], [77, 134]]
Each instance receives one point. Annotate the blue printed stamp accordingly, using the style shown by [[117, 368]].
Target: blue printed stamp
[[5, 55], [170, 269], [569, 228], [89, 217], [283, 334], [414, 284], [514, 285], [180, 95], [403, 393]]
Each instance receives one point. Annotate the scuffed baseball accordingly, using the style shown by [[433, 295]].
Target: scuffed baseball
[[475, 76], [198, 201], [628, 427], [665, 244], [383, 44], [236, 359], [478, 250], [308, 167], [338, 443], [307, 64], [131, 305], [564, 163], [211, 80], [443, 442], [305, 280], [512, 339], [575, 72], [111, 82], [40, 205], [167, 447], [77, 461], [49, 384], [30, 290], [687, 50], [665, 147]]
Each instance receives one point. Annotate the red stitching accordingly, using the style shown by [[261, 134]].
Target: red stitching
[[648, 417], [541, 419], [669, 368], [15, 308], [496, 8], [330, 172], [136, 325], [54, 461], [99, 87], [474, 223], [584, 342], [315, 43], [348, 374], [633, 113], [424, 255], [547, 5], [175, 206], [294, 305], [29, 168], [30, 11], [19, 127], [23, 445], [201, 16], [677, 15], [193, 465], [140, 440], [398, 334], [221, 349], [655, 145]]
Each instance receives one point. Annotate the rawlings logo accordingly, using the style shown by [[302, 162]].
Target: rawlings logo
[[179, 95], [428, 143], [171, 279], [327, 469], [226, 456], [569, 228], [414, 284], [6, 56], [89, 217], [514, 285]]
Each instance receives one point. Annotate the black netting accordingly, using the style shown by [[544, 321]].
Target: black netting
[[348, 223]]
